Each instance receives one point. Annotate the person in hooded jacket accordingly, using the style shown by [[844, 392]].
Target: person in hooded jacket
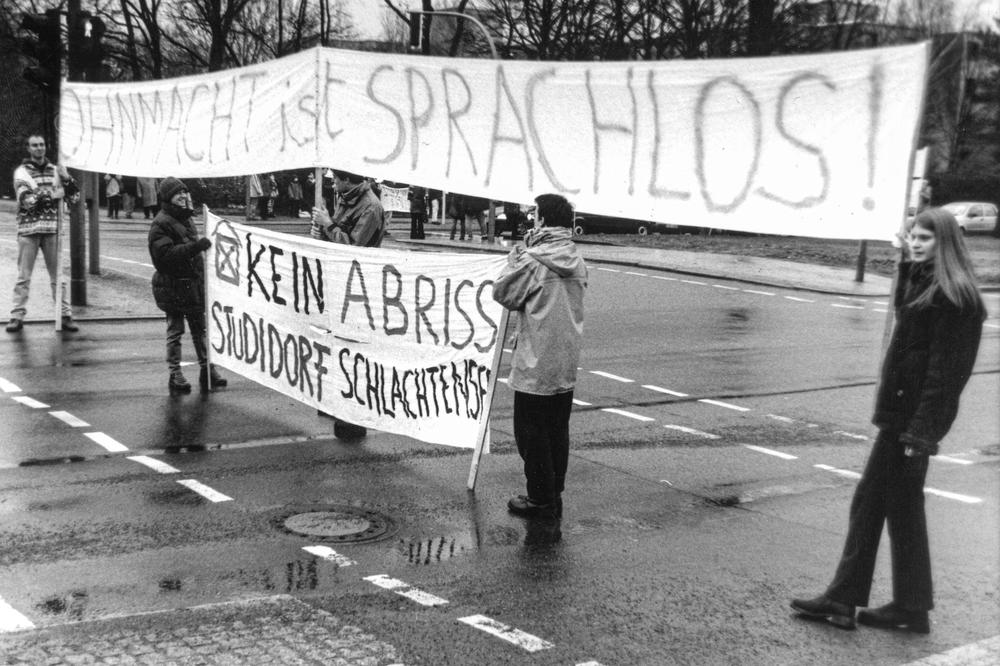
[[179, 282], [543, 284], [939, 321]]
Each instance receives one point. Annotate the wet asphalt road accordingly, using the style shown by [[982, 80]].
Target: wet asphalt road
[[680, 543]]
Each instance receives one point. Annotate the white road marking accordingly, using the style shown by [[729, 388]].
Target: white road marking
[[755, 291], [590, 663], [581, 403], [722, 286], [966, 499], [210, 494], [663, 277], [847, 307], [608, 270], [12, 620], [660, 389], [771, 452], [950, 459], [851, 435], [330, 555], [981, 653], [511, 635], [608, 375], [783, 419], [155, 465], [694, 282], [9, 387], [634, 273], [800, 300], [107, 442], [631, 415], [503, 380], [842, 472], [127, 261], [879, 310], [992, 325], [405, 590], [692, 431], [719, 403], [880, 302], [30, 402], [69, 419]]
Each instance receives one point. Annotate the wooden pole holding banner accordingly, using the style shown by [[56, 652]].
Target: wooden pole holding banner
[[484, 423], [204, 286], [60, 207]]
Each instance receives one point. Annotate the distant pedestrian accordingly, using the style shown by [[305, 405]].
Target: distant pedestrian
[[418, 211], [148, 190], [543, 285], [456, 211], [113, 193], [130, 186], [179, 282], [939, 320], [474, 208], [39, 185], [254, 192], [358, 220], [272, 192], [294, 197]]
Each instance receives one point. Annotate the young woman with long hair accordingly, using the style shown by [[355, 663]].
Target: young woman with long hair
[[939, 318]]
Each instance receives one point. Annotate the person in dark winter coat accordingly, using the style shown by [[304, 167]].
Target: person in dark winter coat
[[939, 319], [418, 211], [179, 281]]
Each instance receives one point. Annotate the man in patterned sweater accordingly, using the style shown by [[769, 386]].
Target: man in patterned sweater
[[38, 186]]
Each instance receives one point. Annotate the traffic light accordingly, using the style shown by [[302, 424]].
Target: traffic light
[[86, 52], [46, 48], [415, 25]]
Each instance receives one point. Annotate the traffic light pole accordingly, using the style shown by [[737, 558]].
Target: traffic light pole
[[77, 236]]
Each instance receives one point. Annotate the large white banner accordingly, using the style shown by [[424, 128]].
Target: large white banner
[[394, 340], [812, 145]]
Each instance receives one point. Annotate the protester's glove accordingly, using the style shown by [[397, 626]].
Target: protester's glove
[[203, 244], [916, 447]]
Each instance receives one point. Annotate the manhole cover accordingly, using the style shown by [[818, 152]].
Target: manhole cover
[[342, 524]]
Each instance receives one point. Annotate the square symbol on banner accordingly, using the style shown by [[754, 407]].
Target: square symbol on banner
[[227, 253]]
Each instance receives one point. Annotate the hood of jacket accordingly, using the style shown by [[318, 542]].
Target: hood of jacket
[[355, 193], [553, 247]]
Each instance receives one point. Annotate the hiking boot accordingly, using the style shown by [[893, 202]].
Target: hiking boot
[[177, 383], [218, 381], [524, 506], [14, 325], [890, 616], [69, 325], [824, 608]]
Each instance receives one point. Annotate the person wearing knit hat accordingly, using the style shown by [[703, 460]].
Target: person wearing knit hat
[[179, 282]]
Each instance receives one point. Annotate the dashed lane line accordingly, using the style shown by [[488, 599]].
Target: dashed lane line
[[852, 435], [952, 459], [841, 472], [155, 465], [847, 307], [758, 292], [210, 494], [608, 270], [69, 419], [660, 389], [771, 452], [608, 375], [701, 284], [581, 403], [517, 637], [719, 403], [330, 555], [108, 442], [800, 300], [965, 499], [724, 286], [692, 431], [406, 590], [627, 414], [30, 402], [8, 386]]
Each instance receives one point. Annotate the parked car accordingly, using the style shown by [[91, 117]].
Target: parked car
[[587, 223], [974, 215]]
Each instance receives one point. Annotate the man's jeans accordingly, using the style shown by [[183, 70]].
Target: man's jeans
[[27, 251], [175, 331]]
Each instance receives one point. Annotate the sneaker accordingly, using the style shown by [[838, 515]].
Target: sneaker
[[14, 325], [69, 325], [824, 608], [524, 506], [891, 616], [177, 383]]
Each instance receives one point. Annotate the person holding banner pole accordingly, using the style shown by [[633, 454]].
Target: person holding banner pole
[[544, 284], [179, 282], [39, 187], [939, 321], [358, 219]]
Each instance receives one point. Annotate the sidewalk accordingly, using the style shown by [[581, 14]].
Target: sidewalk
[[119, 294]]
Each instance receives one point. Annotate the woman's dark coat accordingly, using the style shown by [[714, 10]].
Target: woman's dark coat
[[928, 363], [178, 284]]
